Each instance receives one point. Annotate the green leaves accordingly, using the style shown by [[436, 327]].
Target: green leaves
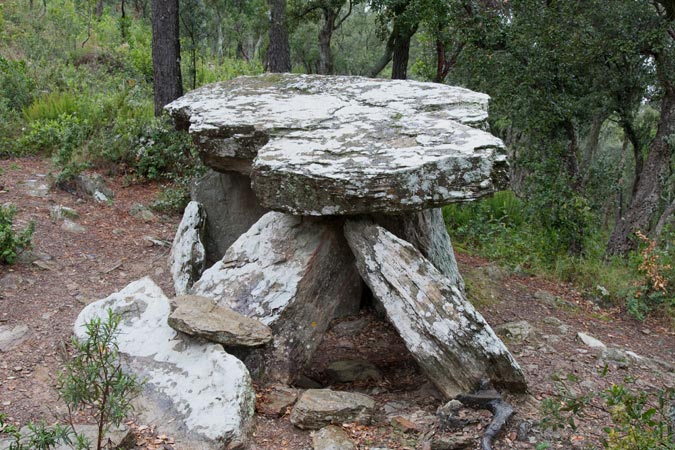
[[12, 243]]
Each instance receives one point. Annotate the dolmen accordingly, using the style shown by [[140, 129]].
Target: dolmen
[[321, 187]]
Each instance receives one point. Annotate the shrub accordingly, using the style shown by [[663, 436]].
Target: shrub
[[16, 87], [93, 380], [12, 243], [654, 287], [637, 419]]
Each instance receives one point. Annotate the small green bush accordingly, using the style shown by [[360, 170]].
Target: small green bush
[[16, 87], [636, 419], [51, 106], [12, 243]]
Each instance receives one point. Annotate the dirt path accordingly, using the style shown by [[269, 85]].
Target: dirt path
[[74, 268]]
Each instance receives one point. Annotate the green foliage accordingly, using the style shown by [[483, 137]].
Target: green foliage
[[12, 243], [51, 106], [93, 381], [41, 437], [655, 285], [637, 419], [16, 87]]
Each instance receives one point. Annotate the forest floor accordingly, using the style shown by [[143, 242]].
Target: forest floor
[[70, 269]]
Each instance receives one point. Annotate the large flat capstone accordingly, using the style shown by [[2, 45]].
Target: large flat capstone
[[193, 391], [317, 145]]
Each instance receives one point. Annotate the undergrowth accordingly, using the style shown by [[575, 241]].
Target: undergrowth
[[505, 229]]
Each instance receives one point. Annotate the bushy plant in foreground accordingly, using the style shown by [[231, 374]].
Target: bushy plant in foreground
[[92, 381]]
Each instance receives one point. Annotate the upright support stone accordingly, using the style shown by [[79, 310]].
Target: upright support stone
[[293, 274], [450, 340], [231, 208], [186, 259], [426, 231]]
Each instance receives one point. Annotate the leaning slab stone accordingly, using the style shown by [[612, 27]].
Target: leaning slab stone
[[317, 408], [231, 209], [427, 232], [450, 340], [194, 391], [293, 274], [203, 317], [347, 145], [186, 259]]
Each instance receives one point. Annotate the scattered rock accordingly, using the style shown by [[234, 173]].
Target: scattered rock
[[516, 332], [194, 391], [36, 188], [332, 438], [59, 212], [317, 408], [452, 442], [231, 208], [50, 265], [590, 341], [616, 356], [187, 257], [546, 297], [11, 336], [72, 227], [275, 400], [292, 274], [348, 370], [141, 212], [449, 339], [94, 185], [10, 281], [404, 425], [203, 317]]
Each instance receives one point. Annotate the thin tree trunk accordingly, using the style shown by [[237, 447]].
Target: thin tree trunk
[[168, 83], [279, 52], [325, 36], [401, 50], [645, 202]]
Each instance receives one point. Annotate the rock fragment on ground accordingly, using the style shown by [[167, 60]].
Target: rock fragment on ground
[[516, 332], [203, 317], [11, 336], [193, 390], [275, 400], [141, 212], [590, 341], [72, 227], [349, 370], [94, 185], [332, 438], [59, 212], [187, 257], [317, 408]]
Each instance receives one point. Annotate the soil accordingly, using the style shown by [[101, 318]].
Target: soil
[[66, 270]]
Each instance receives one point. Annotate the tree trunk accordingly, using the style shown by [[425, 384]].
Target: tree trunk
[[647, 192], [168, 83], [401, 50], [325, 36], [279, 52]]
